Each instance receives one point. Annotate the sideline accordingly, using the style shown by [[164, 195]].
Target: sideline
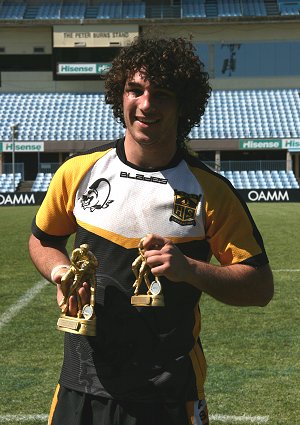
[[286, 270], [239, 419], [23, 418], [219, 418], [22, 302]]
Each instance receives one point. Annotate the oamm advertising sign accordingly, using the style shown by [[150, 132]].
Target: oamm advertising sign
[[22, 198], [270, 195]]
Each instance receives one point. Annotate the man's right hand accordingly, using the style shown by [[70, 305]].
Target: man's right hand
[[70, 306]]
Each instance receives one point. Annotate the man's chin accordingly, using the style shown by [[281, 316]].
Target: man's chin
[[147, 141]]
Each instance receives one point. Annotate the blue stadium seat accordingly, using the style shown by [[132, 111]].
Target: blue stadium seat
[[12, 11], [262, 179], [133, 10], [229, 114], [73, 11], [49, 11], [41, 182], [193, 9], [229, 8], [110, 11], [290, 8]]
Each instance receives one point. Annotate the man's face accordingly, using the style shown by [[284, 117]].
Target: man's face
[[150, 112]]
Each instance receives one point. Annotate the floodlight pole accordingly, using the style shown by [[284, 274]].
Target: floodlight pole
[[14, 136]]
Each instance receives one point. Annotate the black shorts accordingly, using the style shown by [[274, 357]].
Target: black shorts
[[73, 408]]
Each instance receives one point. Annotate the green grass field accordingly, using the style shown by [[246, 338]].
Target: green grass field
[[253, 353]]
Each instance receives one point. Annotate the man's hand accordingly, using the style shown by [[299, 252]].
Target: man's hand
[[70, 306], [236, 284], [164, 258]]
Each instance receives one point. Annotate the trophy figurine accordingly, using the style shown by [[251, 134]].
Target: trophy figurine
[[82, 269], [154, 296]]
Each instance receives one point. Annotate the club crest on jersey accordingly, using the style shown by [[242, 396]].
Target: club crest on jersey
[[96, 196], [185, 208]]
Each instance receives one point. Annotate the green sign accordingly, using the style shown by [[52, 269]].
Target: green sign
[[260, 144], [22, 147], [83, 68], [293, 144]]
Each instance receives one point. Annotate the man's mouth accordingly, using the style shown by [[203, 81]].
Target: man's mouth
[[147, 120]]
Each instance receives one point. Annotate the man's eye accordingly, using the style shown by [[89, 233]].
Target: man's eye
[[135, 92]]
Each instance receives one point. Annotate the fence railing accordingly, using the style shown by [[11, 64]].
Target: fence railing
[[7, 168], [161, 11], [45, 167]]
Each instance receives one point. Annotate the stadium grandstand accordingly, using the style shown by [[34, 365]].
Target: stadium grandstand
[[53, 59]]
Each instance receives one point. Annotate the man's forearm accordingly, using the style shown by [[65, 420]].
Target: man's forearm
[[46, 256], [238, 284]]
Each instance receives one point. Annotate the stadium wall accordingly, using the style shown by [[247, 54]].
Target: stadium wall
[[23, 40], [43, 82]]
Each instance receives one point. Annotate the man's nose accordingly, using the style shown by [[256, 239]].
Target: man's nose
[[147, 102]]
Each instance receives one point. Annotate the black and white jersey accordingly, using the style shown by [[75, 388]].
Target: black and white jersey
[[143, 353]]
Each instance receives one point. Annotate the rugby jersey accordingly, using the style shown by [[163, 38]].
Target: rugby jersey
[[143, 353]]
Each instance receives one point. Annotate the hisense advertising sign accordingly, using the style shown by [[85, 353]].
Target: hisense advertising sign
[[83, 68], [22, 146], [289, 144]]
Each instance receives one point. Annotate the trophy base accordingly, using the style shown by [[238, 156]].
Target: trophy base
[[77, 325], [148, 300]]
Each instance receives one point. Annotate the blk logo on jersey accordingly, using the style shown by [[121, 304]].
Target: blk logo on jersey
[[96, 196], [185, 208]]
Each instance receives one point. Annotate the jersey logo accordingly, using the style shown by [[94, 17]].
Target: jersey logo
[[96, 196], [184, 208]]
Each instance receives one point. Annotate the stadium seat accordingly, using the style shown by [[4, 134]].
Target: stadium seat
[[73, 11], [262, 179], [291, 8], [49, 11], [229, 114], [193, 9], [12, 11], [229, 8]]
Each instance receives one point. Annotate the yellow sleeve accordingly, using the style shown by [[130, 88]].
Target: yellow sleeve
[[55, 216], [230, 229]]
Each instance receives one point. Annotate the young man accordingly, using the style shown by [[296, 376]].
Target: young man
[[146, 365]]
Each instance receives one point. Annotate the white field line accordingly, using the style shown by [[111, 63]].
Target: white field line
[[286, 270], [220, 418], [12, 419], [231, 419], [22, 302]]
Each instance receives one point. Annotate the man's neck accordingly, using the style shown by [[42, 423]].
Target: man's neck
[[149, 157]]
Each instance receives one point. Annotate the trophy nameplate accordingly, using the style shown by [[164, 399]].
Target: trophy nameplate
[[82, 269], [154, 296]]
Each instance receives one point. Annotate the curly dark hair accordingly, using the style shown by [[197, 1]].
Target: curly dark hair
[[169, 63]]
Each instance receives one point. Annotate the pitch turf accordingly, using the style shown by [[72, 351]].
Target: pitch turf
[[253, 353]]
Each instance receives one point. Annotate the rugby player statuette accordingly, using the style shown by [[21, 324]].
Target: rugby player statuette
[[154, 296], [82, 269]]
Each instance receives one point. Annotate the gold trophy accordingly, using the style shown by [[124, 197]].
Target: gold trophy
[[154, 296], [82, 269]]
